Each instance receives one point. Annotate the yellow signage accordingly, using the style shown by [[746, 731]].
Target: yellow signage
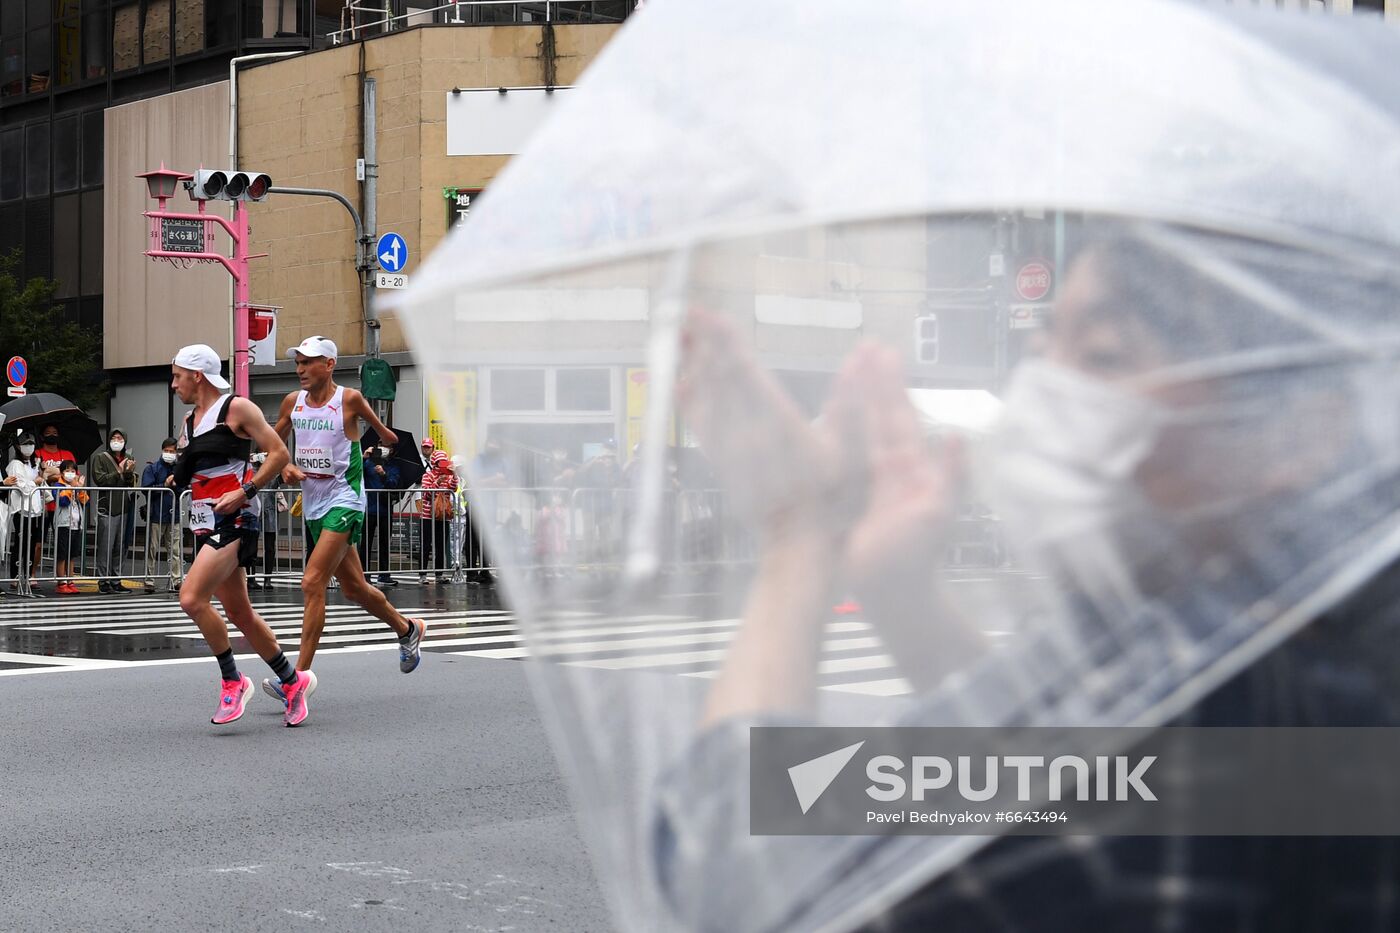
[[452, 412]]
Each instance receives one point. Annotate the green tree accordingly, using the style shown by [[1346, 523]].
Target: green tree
[[64, 357]]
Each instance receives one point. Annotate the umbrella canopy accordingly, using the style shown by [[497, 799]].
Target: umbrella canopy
[[754, 203], [404, 453], [77, 432]]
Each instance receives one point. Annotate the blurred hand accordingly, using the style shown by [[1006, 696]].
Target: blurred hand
[[10, 480], [389, 439], [912, 489], [862, 474], [230, 502], [789, 473], [292, 476]]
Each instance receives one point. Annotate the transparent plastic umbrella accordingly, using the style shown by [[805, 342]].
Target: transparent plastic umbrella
[[777, 220]]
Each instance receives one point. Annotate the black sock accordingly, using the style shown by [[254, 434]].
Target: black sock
[[282, 668], [226, 665], [412, 627]]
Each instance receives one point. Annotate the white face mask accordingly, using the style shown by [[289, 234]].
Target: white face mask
[[1066, 448], [26, 450], [70, 476], [117, 446], [168, 457]]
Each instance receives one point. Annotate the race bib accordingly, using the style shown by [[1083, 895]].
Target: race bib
[[202, 515], [315, 461]]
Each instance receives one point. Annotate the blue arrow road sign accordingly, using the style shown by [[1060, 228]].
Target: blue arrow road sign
[[392, 252]]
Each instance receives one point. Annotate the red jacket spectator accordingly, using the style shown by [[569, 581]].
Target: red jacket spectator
[[50, 454], [438, 476]]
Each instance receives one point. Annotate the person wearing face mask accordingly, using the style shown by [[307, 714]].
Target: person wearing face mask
[[69, 499], [1146, 463], [51, 454], [274, 506], [161, 531], [22, 508], [382, 477], [112, 470], [269, 532]]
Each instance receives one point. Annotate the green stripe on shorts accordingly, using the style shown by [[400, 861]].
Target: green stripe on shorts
[[339, 520]]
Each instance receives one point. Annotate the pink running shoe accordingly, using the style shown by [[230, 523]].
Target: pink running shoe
[[296, 694], [233, 700]]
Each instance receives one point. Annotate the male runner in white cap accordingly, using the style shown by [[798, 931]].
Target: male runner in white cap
[[330, 470], [215, 449]]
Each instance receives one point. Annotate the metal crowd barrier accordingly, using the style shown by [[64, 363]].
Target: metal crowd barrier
[[88, 534], [549, 531]]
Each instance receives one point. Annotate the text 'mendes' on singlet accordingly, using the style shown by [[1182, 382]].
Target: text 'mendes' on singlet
[[331, 461], [212, 481]]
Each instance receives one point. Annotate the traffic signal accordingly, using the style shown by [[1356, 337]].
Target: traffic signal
[[214, 185]]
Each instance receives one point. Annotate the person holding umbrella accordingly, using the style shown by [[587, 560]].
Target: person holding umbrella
[[51, 456], [24, 503], [381, 479]]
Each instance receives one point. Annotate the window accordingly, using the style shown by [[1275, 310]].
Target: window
[[11, 228], [91, 283], [12, 161], [38, 60], [126, 37], [38, 238], [189, 28], [90, 313], [11, 18], [95, 45], [583, 390], [155, 35], [11, 66], [517, 389], [66, 261], [220, 24], [36, 146], [67, 52], [92, 148], [272, 19], [65, 154], [573, 394]]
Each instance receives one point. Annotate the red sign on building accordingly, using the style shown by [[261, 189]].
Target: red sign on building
[[1033, 281]]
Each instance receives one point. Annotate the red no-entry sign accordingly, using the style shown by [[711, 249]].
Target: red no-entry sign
[[1033, 281]]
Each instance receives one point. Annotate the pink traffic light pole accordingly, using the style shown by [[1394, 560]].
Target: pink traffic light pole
[[167, 229]]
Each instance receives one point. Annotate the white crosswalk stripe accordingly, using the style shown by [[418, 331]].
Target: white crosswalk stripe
[[853, 658]]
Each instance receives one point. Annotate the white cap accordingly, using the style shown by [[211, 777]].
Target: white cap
[[201, 358], [315, 346]]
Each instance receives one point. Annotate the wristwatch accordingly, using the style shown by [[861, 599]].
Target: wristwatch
[[250, 490]]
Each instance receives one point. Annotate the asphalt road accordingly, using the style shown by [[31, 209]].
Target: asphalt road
[[428, 801]]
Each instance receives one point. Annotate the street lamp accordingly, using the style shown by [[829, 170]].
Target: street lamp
[[162, 182]]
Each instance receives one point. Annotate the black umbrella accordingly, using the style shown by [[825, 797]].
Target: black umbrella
[[405, 453], [76, 431]]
